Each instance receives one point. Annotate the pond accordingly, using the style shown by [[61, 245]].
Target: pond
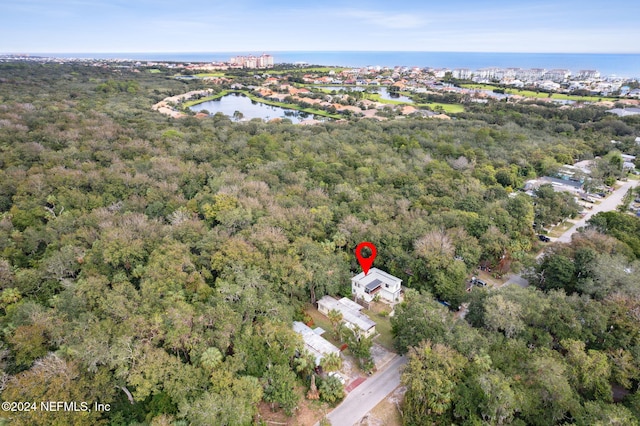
[[239, 107], [381, 90]]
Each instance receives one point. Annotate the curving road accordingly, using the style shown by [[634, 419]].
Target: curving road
[[607, 204]]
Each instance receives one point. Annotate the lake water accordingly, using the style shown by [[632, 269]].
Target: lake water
[[249, 109], [381, 90]]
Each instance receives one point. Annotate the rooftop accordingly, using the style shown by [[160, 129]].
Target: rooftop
[[376, 274], [314, 343], [349, 311]]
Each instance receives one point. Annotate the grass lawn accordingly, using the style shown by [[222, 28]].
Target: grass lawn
[[379, 312], [319, 320], [448, 108], [210, 74], [561, 229], [154, 71], [322, 70], [539, 95], [383, 328], [386, 412]]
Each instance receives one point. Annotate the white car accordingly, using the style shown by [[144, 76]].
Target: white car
[[337, 376]]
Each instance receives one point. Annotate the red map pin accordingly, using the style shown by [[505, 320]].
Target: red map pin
[[366, 262]]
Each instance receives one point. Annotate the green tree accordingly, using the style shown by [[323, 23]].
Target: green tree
[[431, 376], [331, 362], [210, 359], [419, 318], [503, 315], [590, 371], [335, 317], [230, 404], [54, 379], [331, 390], [500, 401], [279, 388]]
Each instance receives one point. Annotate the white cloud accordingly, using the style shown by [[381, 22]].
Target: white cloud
[[387, 20]]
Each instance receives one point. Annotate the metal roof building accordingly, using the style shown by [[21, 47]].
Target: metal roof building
[[317, 345]]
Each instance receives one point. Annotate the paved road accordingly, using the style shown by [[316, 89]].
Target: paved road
[[366, 396], [608, 204]]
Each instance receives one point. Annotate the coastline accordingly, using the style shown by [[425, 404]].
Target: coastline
[[625, 65]]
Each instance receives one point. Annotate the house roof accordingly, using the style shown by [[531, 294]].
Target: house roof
[[349, 313], [376, 274], [314, 343], [373, 284]]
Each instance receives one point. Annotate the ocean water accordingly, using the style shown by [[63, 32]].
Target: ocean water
[[621, 65]]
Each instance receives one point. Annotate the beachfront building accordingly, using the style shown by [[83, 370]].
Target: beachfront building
[[262, 61]]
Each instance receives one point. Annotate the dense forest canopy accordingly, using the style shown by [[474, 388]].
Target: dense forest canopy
[[157, 264]]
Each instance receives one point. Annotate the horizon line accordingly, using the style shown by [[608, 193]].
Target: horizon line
[[319, 51]]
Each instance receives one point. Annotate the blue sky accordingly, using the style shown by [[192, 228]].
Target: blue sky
[[61, 26]]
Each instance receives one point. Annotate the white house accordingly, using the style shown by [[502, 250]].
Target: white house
[[351, 315], [317, 345], [376, 282]]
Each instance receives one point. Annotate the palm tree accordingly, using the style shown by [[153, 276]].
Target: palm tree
[[210, 359], [335, 317], [304, 364], [331, 362]]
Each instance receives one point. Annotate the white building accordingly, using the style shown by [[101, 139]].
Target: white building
[[317, 345], [376, 282], [263, 61], [588, 74], [351, 315], [462, 73], [557, 75]]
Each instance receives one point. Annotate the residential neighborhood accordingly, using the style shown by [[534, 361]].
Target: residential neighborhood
[[383, 93]]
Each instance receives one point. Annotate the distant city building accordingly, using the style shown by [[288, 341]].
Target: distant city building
[[557, 75], [490, 73], [462, 73], [586, 74], [262, 61], [533, 74]]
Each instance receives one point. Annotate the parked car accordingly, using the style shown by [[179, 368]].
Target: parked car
[[544, 238], [478, 282], [337, 376]]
